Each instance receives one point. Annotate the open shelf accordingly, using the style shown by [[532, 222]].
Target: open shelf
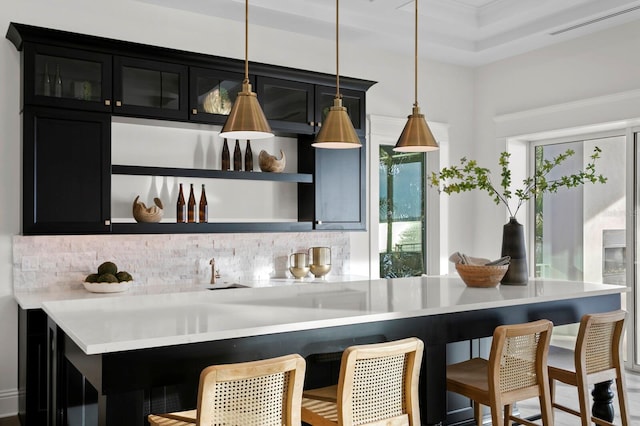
[[211, 174], [214, 227]]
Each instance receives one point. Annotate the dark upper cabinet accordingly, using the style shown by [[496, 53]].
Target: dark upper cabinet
[[336, 198], [67, 171], [212, 94], [353, 100], [68, 78], [149, 88], [288, 105]]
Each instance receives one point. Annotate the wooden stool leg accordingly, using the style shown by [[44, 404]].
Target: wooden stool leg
[[477, 413], [622, 400]]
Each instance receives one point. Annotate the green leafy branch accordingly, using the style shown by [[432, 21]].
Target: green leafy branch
[[469, 176]]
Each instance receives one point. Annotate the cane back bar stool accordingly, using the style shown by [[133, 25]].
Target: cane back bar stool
[[596, 359], [378, 385], [257, 393], [516, 370]]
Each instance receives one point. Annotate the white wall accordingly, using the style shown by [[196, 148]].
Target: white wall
[[446, 95], [582, 82]]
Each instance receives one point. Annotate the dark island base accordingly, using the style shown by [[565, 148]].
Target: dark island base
[[122, 388]]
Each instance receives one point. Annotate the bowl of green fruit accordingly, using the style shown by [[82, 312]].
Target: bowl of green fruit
[[108, 279]]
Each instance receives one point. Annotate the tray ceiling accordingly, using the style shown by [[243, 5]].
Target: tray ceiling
[[465, 32]]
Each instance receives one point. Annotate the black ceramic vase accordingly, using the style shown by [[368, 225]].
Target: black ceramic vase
[[513, 246]]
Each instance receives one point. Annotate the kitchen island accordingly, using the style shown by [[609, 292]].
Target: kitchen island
[[142, 354]]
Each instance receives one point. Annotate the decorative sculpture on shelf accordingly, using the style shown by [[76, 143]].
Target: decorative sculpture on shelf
[[269, 163], [142, 213]]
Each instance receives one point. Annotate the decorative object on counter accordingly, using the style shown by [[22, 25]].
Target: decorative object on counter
[[108, 279], [248, 158], [299, 265], [217, 102], [269, 163], [337, 131], [57, 83], [246, 119], [416, 135], [144, 214], [181, 208], [203, 210], [215, 273], [191, 206], [226, 159], [469, 176], [237, 157], [46, 81], [478, 271], [320, 263]]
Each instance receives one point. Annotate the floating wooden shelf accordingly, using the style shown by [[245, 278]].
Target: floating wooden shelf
[[211, 174], [212, 227]]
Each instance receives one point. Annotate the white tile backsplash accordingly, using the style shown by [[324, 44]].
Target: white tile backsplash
[[50, 262]]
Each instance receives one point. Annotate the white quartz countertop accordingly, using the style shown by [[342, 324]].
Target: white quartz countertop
[[136, 321]]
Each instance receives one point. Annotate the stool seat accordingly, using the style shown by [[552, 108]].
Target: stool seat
[[596, 358], [378, 385], [516, 370], [256, 393]]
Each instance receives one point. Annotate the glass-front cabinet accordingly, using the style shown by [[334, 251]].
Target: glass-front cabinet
[[150, 88], [353, 100], [67, 78], [212, 94], [288, 105]]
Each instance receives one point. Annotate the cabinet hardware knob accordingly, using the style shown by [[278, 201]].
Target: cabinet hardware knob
[[118, 103], [107, 222], [194, 111], [319, 124], [107, 102], [312, 123], [318, 222]]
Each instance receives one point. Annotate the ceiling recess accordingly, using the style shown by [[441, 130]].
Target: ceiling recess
[[593, 21]]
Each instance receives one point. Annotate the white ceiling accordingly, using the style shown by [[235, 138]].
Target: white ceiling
[[465, 32]]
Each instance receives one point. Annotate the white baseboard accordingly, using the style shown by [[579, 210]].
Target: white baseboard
[[8, 402]]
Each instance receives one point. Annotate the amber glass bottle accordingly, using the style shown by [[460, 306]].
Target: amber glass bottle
[[248, 157], [203, 215], [237, 157], [181, 208], [226, 160], [191, 207]]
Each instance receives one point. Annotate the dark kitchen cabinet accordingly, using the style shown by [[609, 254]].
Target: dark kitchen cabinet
[[336, 198], [32, 367], [67, 171], [288, 105], [66, 78], [67, 138], [353, 100], [151, 89], [212, 94]]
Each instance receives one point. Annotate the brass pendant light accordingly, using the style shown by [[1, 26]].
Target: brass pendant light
[[337, 132], [416, 135], [246, 119]]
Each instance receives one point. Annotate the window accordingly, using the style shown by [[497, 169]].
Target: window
[[402, 213]]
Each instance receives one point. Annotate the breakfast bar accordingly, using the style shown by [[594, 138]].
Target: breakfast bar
[[143, 353]]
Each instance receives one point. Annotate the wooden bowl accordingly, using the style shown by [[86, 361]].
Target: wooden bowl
[[481, 276]]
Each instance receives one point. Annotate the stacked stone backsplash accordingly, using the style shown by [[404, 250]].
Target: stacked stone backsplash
[[62, 262]]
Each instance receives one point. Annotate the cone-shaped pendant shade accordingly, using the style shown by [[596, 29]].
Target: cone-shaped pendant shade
[[416, 136], [246, 119], [337, 132]]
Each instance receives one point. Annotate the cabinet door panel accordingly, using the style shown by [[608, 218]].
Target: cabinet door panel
[[288, 105], [212, 94], [353, 100], [67, 172], [69, 78], [149, 88]]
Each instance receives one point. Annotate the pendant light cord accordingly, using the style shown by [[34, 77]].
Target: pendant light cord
[[337, 50], [246, 41], [415, 55]]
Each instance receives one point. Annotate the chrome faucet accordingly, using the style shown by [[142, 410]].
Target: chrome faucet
[[215, 273]]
